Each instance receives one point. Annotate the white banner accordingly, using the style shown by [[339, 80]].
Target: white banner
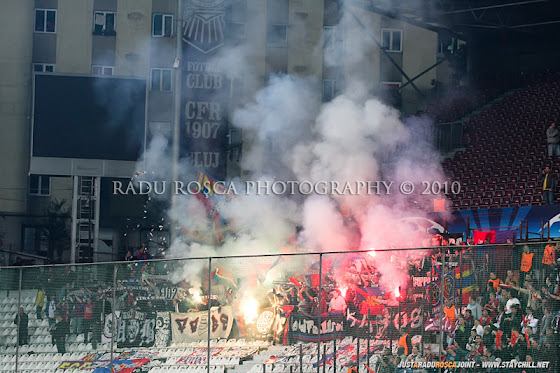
[[193, 326], [163, 329], [108, 327]]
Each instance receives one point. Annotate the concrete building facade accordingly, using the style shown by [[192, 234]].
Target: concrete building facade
[[138, 38]]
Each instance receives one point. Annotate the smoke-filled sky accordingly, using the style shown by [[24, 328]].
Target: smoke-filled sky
[[291, 135]]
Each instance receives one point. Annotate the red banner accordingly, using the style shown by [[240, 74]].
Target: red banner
[[481, 236]]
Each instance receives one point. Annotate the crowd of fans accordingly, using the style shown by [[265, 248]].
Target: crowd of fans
[[512, 313], [516, 317]]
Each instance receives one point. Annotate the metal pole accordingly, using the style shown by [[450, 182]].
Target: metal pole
[[372, 37], [19, 319], [90, 221], [177, 92], [319, 311], [300, 358], [422, 323], [461, 274], [423, 72], [399, 309], [324, 358], [114, 309], [493, 7], [358, 353], [368, 336], [334, 354], [97, 204], [209, 313], [442, 276], [75, 231]]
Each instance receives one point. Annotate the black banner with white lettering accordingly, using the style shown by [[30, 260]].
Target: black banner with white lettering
[[135, 329], [387, 324], [305, 328], [204, 124]]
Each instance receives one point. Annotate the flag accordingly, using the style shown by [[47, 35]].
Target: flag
[[217, 277], [277, 262], [514, 336], [436, 271], [294, 281], [327, 264], [503, 236], [215, 229], [313, 280], [433, 324], [465, 280], [499, 338], [527, 338], [481, 236], [439, 205]]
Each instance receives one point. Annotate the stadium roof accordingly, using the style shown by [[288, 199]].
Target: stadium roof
[[539, 18]]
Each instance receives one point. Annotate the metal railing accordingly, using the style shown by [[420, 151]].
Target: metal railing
[[210, 309]]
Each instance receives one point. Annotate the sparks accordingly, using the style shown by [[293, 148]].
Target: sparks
[[195, 293], [249, 309], [397, 292], [343, 291], [372, 252]]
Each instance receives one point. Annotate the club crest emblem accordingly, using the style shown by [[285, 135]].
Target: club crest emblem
[[204, 25]]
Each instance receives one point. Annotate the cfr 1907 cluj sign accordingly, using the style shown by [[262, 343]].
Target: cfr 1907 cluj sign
[[204, 124]]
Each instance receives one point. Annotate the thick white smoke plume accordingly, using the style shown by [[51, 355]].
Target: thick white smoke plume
[[291, 136]]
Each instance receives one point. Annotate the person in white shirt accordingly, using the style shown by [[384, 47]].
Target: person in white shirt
[[475, 308], [337, 303], [50, 310], [511, 301], [478, 327], [529, 321]]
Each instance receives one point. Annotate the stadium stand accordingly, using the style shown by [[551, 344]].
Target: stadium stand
[[470, 270], [506, 149]]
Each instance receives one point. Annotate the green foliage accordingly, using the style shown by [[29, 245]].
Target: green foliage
[[57, 229]]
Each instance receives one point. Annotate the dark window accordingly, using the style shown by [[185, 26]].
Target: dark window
[[329, 87], [43, 68], [101, 70], [51, 21], [166, 80], [396, 42], [328, 37], [39, 20], [39, 185], [277, 35], [45, 20], [156, 80], [162, 25], [161, 80], [104, 23], [392, 40]]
